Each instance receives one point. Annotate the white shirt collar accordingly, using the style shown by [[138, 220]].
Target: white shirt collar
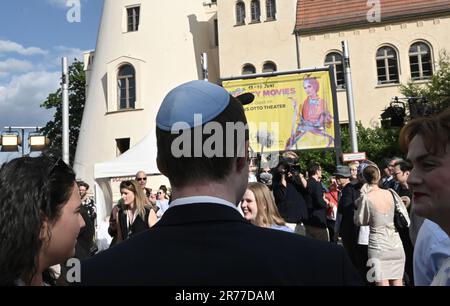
[[201, 199]]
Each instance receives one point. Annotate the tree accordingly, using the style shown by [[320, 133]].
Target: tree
[[435, 93], [377, 142], [77, 99]]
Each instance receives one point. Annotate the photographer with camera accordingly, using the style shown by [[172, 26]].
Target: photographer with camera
[[289, 189]]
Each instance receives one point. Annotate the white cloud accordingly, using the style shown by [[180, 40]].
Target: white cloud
[[21, 98], [7, 46], [70, 53], [12, 65]]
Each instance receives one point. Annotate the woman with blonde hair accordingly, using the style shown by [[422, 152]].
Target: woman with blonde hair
[[376, 207], [133, 216], [259, 208]]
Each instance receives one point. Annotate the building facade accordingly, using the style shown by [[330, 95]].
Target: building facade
[[391, 42], [142, 52]]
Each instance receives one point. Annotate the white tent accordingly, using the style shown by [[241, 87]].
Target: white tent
[[142, 156]]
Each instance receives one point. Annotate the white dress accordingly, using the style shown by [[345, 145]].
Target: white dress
[[385, 249]]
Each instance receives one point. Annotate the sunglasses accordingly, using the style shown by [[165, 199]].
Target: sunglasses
[[141, 179]]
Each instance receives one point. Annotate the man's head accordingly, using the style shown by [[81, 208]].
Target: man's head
[[343, 175], [83, 188], [315, 170], [141, 178], [392, 163], [202, 130], [402, 170]]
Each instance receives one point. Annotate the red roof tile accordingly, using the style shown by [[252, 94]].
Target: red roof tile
[[320, 15]]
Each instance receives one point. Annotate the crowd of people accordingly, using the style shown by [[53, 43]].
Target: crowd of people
[[386, 224]]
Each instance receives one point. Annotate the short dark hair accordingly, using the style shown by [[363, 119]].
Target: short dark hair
[[313, 168], [404, 165], [31, 189], [84, 184], [434, 130], [201, 168]]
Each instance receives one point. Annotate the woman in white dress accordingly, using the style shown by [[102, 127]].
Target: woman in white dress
[[375, 207]]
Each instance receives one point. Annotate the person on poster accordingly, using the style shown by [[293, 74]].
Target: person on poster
[[314, 117]]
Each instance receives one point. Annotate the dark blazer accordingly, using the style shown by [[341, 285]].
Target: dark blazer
[[316, 204], [346, 207], [290, 201], [212, 244]]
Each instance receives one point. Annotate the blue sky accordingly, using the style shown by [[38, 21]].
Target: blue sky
[[34, 35]]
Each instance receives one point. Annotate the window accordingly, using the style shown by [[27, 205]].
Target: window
[[335, 59], [420, 61], [133, 18], [126, 80], [271, 9], [248, 69], [269, 67], [387, 65], [240, 13], [122, 145], [255, 8]]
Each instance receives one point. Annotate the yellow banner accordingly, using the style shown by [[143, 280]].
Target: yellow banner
[[290, 112]]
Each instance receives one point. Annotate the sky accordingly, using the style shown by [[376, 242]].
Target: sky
[[34, 35]]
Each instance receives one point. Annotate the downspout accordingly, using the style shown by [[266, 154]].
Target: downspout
[[297, 47]]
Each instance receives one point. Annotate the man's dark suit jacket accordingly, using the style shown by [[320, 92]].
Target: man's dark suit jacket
[[316, 204], [212, 244], [290, 202], [346, 207]]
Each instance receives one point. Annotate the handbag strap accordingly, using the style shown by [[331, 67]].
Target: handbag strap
[[395, 200]]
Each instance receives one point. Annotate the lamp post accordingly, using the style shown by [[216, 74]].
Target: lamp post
[[35, 141]]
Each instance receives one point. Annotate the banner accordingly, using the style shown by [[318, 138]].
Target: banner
[[290, 112]]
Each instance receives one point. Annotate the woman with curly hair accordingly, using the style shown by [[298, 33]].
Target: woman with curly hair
[[39, 219]]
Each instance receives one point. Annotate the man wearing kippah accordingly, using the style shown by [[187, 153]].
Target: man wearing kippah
[[202, 239]]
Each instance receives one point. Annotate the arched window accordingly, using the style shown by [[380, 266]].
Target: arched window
[[420, 61], [256, 10], [126, 81], [240, 13], [271, 9], [335, 59], [387, 65], [269, 67], [248, 69]]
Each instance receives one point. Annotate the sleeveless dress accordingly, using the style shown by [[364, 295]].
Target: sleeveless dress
[[385, 249], [139, 225]]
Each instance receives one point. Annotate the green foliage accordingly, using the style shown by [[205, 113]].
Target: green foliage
[[377, 142], [77, 99], [436, 90]]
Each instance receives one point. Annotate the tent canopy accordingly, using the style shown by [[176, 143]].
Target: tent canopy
[[140, 157]]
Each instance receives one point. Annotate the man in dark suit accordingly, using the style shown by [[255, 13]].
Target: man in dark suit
[[202, 239], [316, 226]]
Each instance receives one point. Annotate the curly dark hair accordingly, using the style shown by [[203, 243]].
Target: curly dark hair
[[32, 189]]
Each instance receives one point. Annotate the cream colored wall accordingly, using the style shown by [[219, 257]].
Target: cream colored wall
[[259, 42], [165, 52], [370, 98]]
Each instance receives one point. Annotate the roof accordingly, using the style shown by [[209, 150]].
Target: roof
[[321, 15]]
